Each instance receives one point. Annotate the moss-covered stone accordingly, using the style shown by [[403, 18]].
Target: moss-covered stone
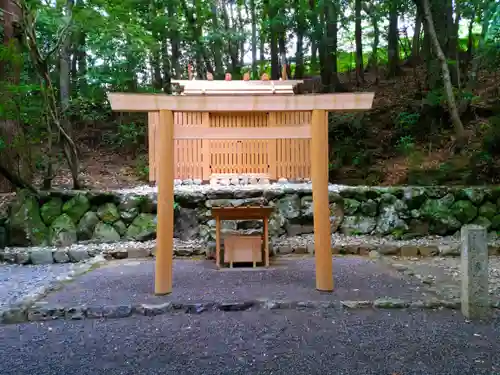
[[62, 231], [86, 225], [108, 213], [51, 210], [358, 225], [369, 208], [438, 212], [76, 207], [129, 207], [306, 206], [289, 206], [120, 227], [351, 206], [475, 195], [488, 210], [482, 221], [105, 233], [142, 228], [26, 227], [464, 211], [414, 197], [495, 222]]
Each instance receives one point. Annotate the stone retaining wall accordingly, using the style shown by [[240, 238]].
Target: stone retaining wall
[[62, 218]]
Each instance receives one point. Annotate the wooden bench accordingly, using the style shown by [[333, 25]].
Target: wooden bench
[[241, 248]]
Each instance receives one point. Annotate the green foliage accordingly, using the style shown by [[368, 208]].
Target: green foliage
[[406, 145], [407, 121], [349, 133], [141, 167], [130, 136], [446, 173], [491, 140]]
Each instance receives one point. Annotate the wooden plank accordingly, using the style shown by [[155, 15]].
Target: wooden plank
[[288, 132], [217, 242], [261, 103], [266, 240], [165, 231], [322, 235], [242, 213], [237, 175], [205, 148]]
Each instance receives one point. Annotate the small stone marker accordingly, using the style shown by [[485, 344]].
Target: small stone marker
[[474, 267]]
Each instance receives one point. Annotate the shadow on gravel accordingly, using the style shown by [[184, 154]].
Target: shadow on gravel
[[131, 282]]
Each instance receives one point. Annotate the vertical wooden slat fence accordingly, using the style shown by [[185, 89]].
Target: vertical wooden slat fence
[[292, 155], [188, 154], [239, 156], [288, 158]]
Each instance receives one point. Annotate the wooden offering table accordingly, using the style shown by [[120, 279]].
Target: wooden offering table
[[241, 248]]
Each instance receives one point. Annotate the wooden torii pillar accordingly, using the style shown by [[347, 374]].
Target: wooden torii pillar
[[317, 130]]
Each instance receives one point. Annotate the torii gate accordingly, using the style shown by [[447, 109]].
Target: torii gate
[[317, 130]]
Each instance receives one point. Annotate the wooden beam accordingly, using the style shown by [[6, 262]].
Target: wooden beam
[[222, 83], [165, 226], [290, 132], [319, 176], [260, 103], [288, 91]]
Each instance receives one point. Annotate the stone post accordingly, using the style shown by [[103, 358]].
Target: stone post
[[474, 267]]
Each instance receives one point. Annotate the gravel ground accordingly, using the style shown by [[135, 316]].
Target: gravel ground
[[131, 282], [263, 342], [18, 282], [22, 284], [442, 275]]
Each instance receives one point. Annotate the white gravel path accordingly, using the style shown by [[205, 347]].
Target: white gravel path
[[18, 281], [20, 284], [179, 187]]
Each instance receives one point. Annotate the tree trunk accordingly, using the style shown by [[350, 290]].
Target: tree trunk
[[253, 20], [300, 31], [316, 34], [273, 39], [232, 47], [373, 61], [328, 50], [64, 94], [360, 77], [242, 35], [81, 59], [9, 129], [156, 66], [175, 42], [167, 68], [218, 47], [452, 106], [262, 48], [472, 80], [453, 45], [394, 68], [282, 51], [415, 53]]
